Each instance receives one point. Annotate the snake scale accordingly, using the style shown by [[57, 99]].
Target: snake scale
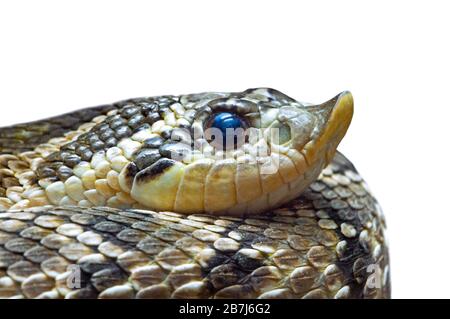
[[137, 199]]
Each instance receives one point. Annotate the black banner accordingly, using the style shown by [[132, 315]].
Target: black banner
[[205, 309]]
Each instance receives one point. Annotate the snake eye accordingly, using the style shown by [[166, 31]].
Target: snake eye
[[226, 130]]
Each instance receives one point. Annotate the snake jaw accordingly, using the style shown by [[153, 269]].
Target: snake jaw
[[315, 132]]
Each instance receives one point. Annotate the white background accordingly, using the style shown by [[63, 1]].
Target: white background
[[393, 56]]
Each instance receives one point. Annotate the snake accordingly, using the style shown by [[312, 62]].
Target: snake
[[210, 195]]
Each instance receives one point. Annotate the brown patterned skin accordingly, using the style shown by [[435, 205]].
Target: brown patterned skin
[[25, 137], [328, 243]]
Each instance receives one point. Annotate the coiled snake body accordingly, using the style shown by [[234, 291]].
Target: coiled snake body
[[138, 199]]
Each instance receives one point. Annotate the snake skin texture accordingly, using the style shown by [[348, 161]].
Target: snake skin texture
[[328, 242]]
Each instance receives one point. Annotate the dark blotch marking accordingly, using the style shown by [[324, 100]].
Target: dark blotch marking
[[246, 262], [111, 142], [123, 131], [154, 142], [130, 172], [117, 122], [136, 120], [54, 157], [176, 151], [91, 267], [64, 173], [107, 134], [155, 170], [148, 108], [248, 238], [166, 134], [347, 214], [144, 126], [98, 145], [225, 275], [129, 111], [70, 146], [44, 171], [217, 260], [72, 160], [152, 118]]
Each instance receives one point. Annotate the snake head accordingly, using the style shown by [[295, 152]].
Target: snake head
[[233, 153]]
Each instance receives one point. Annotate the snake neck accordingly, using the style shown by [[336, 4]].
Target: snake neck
[[15, 176], [41, 177], [19, 188], [23, 186]]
